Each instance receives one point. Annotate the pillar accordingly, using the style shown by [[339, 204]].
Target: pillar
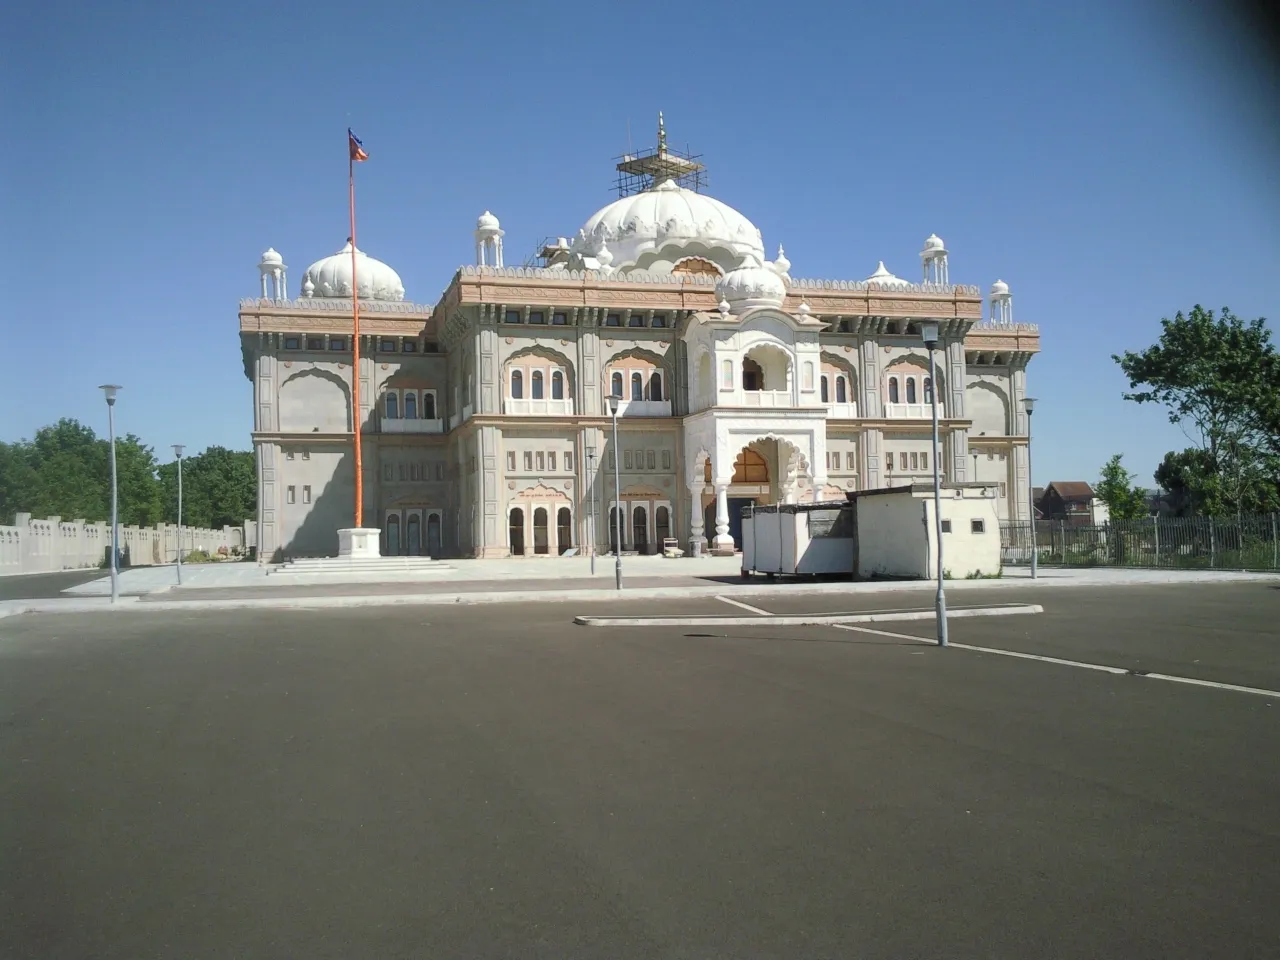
[[723, 544], [697, 520]]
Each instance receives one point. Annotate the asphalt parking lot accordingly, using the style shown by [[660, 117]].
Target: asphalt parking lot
[[494, 781]]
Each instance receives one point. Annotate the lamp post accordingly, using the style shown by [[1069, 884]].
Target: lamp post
[[591, 479], [110, 390], [1029, 404], [929, 334], [177, 452], [614, 402]]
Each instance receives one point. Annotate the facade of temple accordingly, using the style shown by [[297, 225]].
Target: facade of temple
[[486, 425]]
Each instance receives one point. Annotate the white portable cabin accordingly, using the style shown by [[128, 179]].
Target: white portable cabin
[[888, 532]]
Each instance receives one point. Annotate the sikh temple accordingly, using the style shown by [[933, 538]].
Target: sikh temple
[[487, 429]]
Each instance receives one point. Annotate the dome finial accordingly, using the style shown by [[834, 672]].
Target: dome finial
[[662, 134]]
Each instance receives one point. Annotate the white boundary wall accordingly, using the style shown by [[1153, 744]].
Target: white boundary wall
[[46, 546]]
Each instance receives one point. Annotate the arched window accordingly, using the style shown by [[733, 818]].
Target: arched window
[[414, 538], [393, 536], [655, 386], [726, 375], [893, 389], [433, 535], [928, 390], [410, 405], [540, 541], [662, 525], [613, 529], [807, 382], [392, 405], [564, 529], [842, 390], [535, 385], [517, 385], [517, 532], [615, 384], [640, 528], [911, 389], [824, 390], [557, 385], [637, 386], [428, 406]]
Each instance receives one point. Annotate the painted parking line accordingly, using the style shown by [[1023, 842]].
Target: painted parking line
[[801, 620], [1078, 664], [744, 606]]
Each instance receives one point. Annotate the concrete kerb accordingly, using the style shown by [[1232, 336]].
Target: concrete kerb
[[817, 620]]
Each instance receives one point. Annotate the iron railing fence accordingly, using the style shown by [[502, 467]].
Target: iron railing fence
[[1181, 543]]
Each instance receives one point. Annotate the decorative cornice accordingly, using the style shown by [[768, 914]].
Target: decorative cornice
[[322, 305]]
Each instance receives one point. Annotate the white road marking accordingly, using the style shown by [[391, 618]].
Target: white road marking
[[1102, 668], [745, 606], [765, 619]]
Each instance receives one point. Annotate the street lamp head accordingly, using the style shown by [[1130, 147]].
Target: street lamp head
[[929, 333], [110, 390], [1028, 404], [614, 400], [177, 450]]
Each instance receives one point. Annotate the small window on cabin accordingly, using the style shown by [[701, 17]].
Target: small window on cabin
[[977, 525], [946, 526]]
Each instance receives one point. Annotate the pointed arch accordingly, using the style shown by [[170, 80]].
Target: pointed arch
[[528, 358], [315, 398]]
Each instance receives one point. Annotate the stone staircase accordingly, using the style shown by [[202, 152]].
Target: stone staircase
[[372, 567]]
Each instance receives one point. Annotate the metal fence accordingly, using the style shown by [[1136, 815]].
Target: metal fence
[[1180, 543]]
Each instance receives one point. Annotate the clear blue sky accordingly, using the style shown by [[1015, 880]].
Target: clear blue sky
[[1102, 158]]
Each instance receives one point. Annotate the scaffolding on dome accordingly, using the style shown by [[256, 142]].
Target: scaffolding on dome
[[638, 172]]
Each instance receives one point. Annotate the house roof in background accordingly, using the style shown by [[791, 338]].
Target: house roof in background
[[1071, 489]]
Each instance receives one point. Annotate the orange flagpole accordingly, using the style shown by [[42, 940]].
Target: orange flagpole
[[355, 340]]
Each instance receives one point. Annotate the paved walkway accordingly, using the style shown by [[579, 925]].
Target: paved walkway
[[683, 582]]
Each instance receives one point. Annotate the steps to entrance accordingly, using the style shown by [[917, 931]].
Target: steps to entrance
[[372, 566]]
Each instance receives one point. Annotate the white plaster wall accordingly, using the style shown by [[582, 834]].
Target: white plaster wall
[[987, 405], [966, 552], [309, 530]]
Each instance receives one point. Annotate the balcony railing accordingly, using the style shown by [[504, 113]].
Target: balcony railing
[[536, 408], [412, 426], [644, 408], [911, 411], [842, 411]]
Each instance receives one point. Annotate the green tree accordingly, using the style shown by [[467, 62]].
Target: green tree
[[1116, 489], [1189, 479], [1219, 378], [219, 487]]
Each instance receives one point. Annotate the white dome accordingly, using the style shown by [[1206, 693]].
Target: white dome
[[487, 221], [751, 284], [668, 217], [999, 289], [331, 277], [934, 244], [886, 280], [271, 258]]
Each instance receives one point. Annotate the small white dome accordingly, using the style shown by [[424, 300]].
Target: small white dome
[[934, 244], [487, 221], [999, 289], [886, 280], [331, 277], [271, 258], [750, 284], [782, 265], [804, 309], [664, 220]]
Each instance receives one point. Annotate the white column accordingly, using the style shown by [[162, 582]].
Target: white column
[[497, 251], [697, 521], [723, 540], [264, 287]]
